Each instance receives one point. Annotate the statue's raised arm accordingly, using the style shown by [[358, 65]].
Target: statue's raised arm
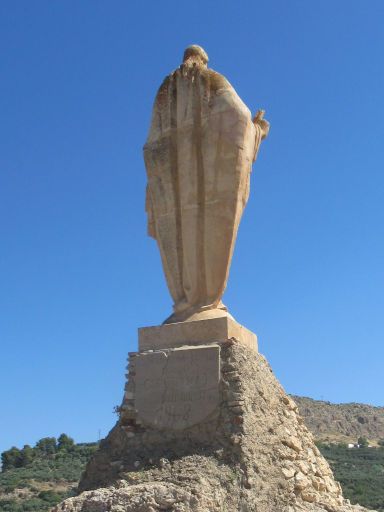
[[198, 157]]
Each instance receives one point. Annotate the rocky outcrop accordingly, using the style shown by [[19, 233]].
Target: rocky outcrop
[[254, 453], [341, 422]]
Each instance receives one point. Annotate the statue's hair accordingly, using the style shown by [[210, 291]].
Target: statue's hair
[[195, 51]]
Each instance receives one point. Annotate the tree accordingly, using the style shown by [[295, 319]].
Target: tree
[[10, 459], [65, 442], [362, 442], [27, 454], [47, 445]]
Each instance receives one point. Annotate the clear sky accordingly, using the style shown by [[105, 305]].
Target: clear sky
[[79, 274]]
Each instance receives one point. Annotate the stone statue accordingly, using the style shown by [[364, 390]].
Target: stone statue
[[198, 155]]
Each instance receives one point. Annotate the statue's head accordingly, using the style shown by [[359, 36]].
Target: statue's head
[[195, 54]]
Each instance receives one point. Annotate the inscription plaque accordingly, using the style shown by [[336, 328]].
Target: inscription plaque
[[177, 388]]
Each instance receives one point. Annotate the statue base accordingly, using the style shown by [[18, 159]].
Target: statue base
[[207, 428], [209, 330]]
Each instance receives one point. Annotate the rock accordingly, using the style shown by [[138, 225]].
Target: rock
[[318, 483], [288, 472], [304, 466], [153, 497], [293, 443], [309, 496], [208, 468], [301, 481]]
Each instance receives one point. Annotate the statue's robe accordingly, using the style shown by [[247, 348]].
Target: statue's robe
[[198, 157]]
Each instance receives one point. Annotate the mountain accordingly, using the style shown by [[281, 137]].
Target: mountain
[[342, 423]]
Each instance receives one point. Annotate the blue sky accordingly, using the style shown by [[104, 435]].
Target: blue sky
[[78, 273]]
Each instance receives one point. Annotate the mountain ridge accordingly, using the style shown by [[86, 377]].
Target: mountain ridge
[[342, 423]]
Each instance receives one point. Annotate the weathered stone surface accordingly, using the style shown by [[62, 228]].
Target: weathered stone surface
[[135, 498], [235, 461], [177, 388], [198, 155], [196, 332]]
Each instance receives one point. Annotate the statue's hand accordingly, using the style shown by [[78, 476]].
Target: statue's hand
[[262, 123]]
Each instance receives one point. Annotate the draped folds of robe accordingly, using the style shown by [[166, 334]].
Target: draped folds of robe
[[198, 157]]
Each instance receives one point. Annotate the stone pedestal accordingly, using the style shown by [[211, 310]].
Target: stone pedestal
[[173, 381], [206, 428], [209, 330]]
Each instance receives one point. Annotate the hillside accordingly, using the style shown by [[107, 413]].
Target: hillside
[[360, 472], [35, 479], [337, 423]]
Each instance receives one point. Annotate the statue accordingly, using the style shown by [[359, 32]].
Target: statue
[[198, 155]]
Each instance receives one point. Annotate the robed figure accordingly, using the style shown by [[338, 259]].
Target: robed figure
[[198, 155]]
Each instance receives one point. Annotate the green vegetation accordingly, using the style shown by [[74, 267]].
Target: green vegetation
[[360, 472], [35, 479], [362, 442]]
